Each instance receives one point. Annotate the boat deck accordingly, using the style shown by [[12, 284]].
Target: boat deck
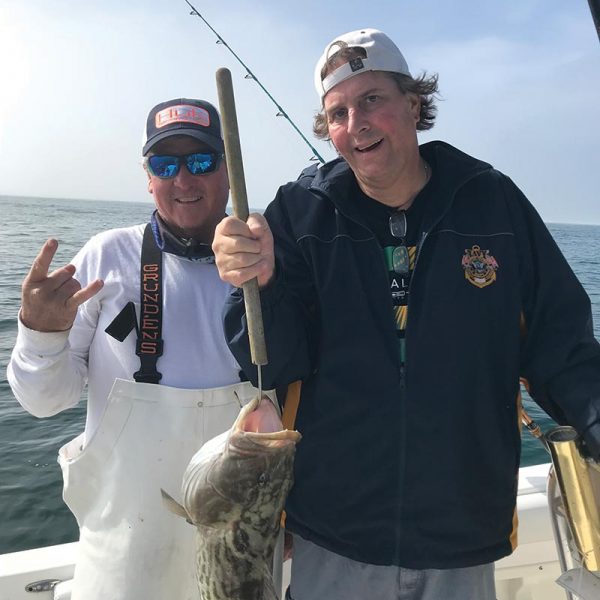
[[528, 574]]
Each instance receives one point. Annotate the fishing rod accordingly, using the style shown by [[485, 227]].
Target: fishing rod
[[250, 75], [595, 8], [534, 429]]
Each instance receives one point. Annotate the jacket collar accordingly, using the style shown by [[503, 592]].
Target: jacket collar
[[453, 167]]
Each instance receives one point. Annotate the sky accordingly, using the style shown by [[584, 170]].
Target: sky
[[519, 88]]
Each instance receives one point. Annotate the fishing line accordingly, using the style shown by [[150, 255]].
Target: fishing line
[[250, 75]]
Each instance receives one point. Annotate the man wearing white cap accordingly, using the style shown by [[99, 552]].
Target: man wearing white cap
[[409, 288], [136, 317]]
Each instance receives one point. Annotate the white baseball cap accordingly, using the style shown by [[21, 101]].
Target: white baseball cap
[[381, 55]]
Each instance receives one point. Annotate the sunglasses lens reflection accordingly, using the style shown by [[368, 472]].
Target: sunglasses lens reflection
[[202, 162], [398, 224], [400, 260], [164, 166]]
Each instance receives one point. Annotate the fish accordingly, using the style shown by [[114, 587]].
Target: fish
[[234, 490]]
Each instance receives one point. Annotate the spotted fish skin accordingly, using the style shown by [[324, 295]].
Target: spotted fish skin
[[234, 490]]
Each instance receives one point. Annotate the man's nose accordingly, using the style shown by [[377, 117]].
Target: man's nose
[[184, 179], [357, 121]]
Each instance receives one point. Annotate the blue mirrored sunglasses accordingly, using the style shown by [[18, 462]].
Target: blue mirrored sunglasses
[[198, 163]]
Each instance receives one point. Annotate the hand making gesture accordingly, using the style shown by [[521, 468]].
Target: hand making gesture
[[49, 302]]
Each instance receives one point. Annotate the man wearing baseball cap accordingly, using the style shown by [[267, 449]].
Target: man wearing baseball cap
[[409, 287], [137, 315]]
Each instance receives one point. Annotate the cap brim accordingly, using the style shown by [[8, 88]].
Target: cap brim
[[210, 140]]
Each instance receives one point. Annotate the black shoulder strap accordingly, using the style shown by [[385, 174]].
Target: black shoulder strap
[[149, 345]]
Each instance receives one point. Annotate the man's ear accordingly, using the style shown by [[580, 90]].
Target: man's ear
[[149, 178], [415, 106]]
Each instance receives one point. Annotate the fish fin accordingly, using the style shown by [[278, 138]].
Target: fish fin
[[174, 506]]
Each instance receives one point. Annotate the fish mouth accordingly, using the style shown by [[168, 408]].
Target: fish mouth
[[258, 416], [370, 147], [274, 439], [259, 422]]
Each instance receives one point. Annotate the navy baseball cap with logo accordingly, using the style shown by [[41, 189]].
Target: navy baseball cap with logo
[[183, 116]]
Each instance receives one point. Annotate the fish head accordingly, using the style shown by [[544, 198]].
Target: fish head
[[244, 474]]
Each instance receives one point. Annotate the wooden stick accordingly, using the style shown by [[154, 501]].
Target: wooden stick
[[239, 198]]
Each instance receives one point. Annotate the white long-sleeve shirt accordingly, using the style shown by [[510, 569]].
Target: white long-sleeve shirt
[[48, 371]]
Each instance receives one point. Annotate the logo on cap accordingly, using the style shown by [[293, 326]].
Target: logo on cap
[[356, 64], [182, 113]]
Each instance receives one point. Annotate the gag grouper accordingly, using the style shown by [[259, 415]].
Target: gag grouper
[[234, 490]]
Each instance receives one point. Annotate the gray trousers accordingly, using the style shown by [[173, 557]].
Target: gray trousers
[[318, 574]]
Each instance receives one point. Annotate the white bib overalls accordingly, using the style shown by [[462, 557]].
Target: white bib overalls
[[131, 547]]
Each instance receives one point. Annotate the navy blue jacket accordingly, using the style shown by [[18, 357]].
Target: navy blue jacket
[[417, 466]]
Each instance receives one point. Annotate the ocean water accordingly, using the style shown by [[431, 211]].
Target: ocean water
[[32, 513]]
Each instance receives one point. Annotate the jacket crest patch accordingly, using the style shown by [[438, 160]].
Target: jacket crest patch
[[480, 267]]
